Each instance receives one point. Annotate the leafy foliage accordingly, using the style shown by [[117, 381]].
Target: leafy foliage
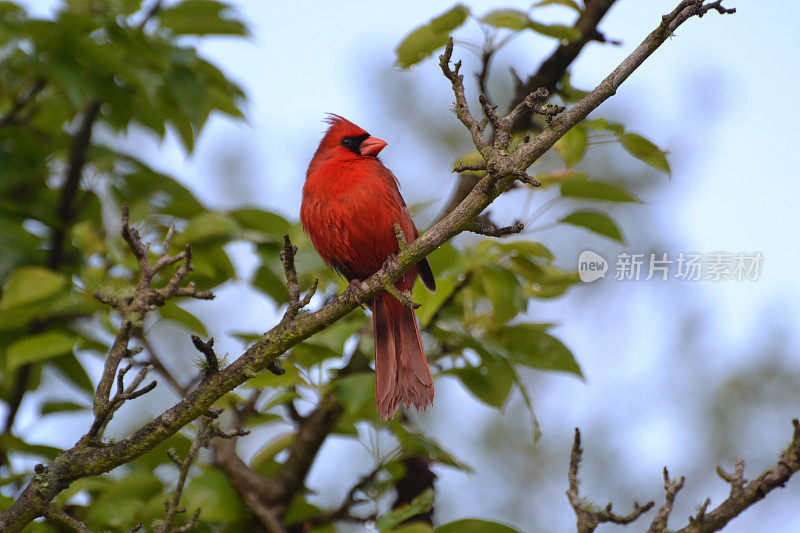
[[424, 40]]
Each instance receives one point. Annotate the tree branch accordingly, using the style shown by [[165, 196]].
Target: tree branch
[[55, 514], [257, 492], [207, 349], [12, 115], [86, 459], [554, 67], [460, 107], [133, 309], [173, 505], [77, 159], [588, 517], [308, 440], [742, 494], [296, 304], [672, 488], [493, 230]]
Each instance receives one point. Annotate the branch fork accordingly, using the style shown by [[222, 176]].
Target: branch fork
[[742, 494], [131, 392], [588, 518], [296, 303]]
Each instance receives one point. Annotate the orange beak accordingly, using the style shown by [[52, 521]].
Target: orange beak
[[372, 146]]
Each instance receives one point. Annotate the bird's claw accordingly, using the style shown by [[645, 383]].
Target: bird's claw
[[354, 291], [390, 265]]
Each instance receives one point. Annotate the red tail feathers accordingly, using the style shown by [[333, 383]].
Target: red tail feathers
[[402, 375]]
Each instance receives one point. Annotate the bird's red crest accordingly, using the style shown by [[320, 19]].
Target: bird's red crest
[[341, 127], [330, 146]]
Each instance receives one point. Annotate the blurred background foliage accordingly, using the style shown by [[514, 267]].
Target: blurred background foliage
[[78, 87]]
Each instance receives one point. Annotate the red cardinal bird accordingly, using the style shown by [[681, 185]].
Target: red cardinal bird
[[350, 204]]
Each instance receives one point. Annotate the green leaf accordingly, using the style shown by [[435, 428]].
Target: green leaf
[[431, 302], [178, 442], [572, 146], [300, 510], [117, 505], [490, 383], [645, 151], [569, 3], [422, 503], [424, 40], [262, 221], [532, 346], [513, 19], [596, 222], [212, 266], [548, 281], [450, 19], [61, 407], [604, 125], [308, 354], [171, 311], [10, 443], [471, 158], [356, 392], [29, 284], [517, 20], [414, 527], [561, 176], [200, 17], [36, 348], [527, 249], [417, 443], [556, 31], [213, 493], [597, 190], [271, 284], [502, 289], [264, 462], [5, 502], [69, 366], [207, 226], [118, 514], [474, 525]]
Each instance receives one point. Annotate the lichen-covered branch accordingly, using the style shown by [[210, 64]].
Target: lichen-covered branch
[[742, 494], [556, 65], [588, 516], [133, 310], [493, 230]]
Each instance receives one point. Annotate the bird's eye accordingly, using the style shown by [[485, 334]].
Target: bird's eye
[[347, 141]]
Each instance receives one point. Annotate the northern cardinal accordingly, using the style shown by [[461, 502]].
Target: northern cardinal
[[350, 204]]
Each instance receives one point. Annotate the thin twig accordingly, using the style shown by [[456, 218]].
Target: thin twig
[[296, 304], [672, 488], [207, 349], [61, 517], [173, 506], [589, 518], [133, 309], [461, 108], [12, 115], [492, 230]]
